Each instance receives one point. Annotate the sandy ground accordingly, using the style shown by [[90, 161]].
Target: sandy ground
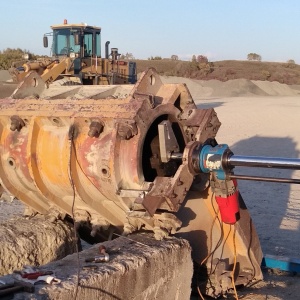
[[4, 75], [258, 118], [262, 120], [267, 126]]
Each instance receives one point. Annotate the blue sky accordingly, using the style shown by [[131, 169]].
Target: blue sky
[[219, 29]]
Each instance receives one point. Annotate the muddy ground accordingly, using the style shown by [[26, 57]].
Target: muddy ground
[[256, 120]]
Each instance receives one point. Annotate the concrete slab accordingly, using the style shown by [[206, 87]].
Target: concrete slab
[[139, 268]]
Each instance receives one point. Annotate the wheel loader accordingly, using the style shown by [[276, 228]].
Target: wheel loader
[[127, 158], [76, 59]]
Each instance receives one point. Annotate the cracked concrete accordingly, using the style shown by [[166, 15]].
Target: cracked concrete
[[33, 241], [139, 268]]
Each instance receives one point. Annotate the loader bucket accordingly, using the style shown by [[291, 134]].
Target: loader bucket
[[93, 153]]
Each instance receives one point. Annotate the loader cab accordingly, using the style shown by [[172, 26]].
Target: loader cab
[[75, 40], [79, 45]]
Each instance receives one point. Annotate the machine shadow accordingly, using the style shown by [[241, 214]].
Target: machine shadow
[[207, 104], [273, 206]]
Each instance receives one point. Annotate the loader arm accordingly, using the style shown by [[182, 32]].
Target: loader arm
[[55, 69]]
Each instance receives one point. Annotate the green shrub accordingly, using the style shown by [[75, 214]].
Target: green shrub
[[266, 74], [10, 56]]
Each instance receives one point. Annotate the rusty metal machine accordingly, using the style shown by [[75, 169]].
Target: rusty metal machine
[[124, 158], [76, 59]]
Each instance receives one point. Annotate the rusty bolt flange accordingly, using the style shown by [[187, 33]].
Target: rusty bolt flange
[[16, 123], [126, 131], [95, 129]]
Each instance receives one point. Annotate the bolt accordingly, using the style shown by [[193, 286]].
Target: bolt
[[95, 129], [98, 259], [16, 123], [125, 131]]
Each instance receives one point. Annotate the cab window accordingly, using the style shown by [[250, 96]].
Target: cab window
[[98, 45], [88, 44]]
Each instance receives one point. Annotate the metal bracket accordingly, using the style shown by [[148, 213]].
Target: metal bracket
[[282, 263], [32, 86], [167, 141]]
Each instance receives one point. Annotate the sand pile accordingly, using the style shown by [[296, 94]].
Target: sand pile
[[4, 75], [195, 87], [207, 88], [275, 88], [234, 88]]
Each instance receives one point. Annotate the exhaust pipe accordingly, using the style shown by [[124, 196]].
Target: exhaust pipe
[[106, 49], [114, 54]]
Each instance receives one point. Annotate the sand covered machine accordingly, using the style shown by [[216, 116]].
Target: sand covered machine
[[128, 158]]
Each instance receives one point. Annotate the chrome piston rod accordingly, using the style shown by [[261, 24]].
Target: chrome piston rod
[[263, 162], [267, 179], [232, 161]]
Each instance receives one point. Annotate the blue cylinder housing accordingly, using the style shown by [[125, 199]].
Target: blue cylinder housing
[[210, 159]]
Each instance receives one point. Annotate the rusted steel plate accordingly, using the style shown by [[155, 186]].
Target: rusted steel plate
[[110, 162]]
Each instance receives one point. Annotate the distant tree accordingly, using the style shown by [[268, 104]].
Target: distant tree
[[155, 58], [291, 61], [205, 68], [174, 57], [194, 58], [290, 64], [202, 59], [128, 56], [254, 56], [266, 74], [10, 56]]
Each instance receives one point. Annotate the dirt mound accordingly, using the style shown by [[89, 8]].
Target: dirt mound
[[275, 88], [33, 241], [288, 73], [196, 87], [234, 87], [6, 89], [4, 75]]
